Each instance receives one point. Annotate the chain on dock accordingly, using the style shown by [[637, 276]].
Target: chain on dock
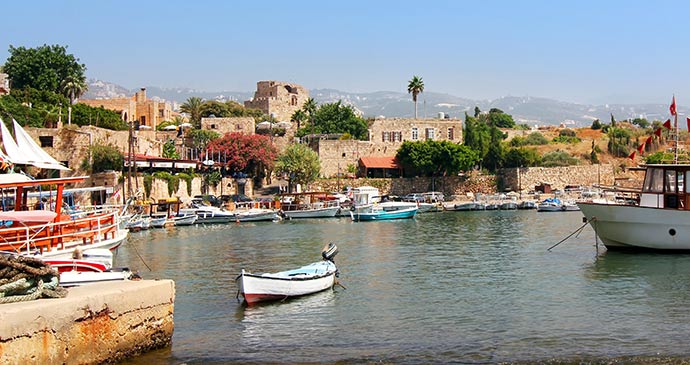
[[27, 278]]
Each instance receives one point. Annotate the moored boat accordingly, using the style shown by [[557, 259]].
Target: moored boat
[[309, 205], [658, 220], [309, 279], [375, 213]]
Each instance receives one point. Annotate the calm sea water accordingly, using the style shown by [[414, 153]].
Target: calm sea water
[[450, 287]]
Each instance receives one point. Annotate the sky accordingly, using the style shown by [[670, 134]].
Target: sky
[[593, 52]]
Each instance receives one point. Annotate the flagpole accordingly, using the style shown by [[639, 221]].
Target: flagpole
[[675, 128]]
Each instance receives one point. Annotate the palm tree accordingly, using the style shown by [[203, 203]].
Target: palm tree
[[298, 116], [415, 87], [309, 107], [73, 86], [193, 107]]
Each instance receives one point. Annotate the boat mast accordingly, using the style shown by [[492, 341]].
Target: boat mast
[[675, 131]]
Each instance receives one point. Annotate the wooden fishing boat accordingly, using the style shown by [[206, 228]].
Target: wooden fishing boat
[[377, 213], [49, 233], [309, 279]]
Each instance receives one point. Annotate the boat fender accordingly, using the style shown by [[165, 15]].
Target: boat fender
[[563, 207], [329, 251]]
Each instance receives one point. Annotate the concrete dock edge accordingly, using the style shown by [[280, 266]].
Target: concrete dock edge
[[94, 324]]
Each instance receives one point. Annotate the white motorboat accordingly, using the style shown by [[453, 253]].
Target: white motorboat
[[658, 220], [309, 205], [256, 215], [308, 279]]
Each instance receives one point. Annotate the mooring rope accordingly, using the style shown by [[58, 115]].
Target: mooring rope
[[576, 231], [26, 278]]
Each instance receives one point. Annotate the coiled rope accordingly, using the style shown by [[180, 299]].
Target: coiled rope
[[26, 278]]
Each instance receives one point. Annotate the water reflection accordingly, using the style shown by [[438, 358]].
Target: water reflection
[[445, 287]]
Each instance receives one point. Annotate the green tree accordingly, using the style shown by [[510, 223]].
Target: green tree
[[415, 87], [104, 157], [73, 86], [42, 68], [435, 158], [193, 107], [299, 117], [202, 137], [521, 157], [558, 158], [641, 122], [169, 150], [299, 163], [596, 124], [619, 142], [214, 108], [335, 118]]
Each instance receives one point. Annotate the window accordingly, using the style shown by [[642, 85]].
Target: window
[[415, 134], [670, 181], [450, 133], [386, 136], [430, 133], [293, 101], [46, 141], [213, 126], [238, 126], [397, 136], [654, 180]]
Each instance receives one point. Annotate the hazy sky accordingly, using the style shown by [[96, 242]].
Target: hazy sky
[[580, 51]]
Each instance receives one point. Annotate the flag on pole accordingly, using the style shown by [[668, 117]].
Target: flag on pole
[[649, 140], [667, 124], [641, 148], [658, 132], [688, 120], [632, 155], [116, 195], [673, 106]]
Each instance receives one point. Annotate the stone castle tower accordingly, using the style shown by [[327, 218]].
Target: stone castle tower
[[278, 99]]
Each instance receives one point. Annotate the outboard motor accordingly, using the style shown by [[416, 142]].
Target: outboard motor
[[329, 251]]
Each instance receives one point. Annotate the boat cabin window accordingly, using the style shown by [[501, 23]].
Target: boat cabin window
[[654, 180], [681, 181], [670, 181]]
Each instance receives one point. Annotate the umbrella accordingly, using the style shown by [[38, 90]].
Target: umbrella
[[171, 127]]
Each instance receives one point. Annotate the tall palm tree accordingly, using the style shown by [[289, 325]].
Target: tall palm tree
[[309, 107], [299, 116], [415, 87], [193, 107], [73, 86]]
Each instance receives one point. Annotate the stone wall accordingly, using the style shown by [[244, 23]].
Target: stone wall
[[277, 98], [336, 155], [526, 178], [243, 125], [381, 130], [136, 108]]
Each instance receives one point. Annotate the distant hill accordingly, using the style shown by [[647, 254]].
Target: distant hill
[[528, 110]]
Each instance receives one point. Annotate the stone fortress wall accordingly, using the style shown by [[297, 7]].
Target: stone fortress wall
[[278, 99]]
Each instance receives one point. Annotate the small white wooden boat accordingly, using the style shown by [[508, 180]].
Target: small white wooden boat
[[185, 219], [309, 279], [256, 215]]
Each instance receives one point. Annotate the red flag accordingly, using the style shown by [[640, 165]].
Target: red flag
[[658, 132], [667, 124], [688, 120], [632, 155], [673, 106], [641, 148], [649, 140]]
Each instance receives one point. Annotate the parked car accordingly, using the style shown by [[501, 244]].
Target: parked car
[[433, 197], [238, 199], [211, 199], [413, 197]]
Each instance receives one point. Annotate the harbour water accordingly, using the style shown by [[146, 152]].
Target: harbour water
[[449, 287]]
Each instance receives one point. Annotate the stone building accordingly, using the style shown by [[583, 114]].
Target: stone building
[[244, 125], [278, 99], [138, 108], [4, 84], [385, 138]]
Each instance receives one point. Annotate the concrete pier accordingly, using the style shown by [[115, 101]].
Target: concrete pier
[[96, 323]]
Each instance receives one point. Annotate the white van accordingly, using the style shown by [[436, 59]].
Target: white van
[[433, 197]]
